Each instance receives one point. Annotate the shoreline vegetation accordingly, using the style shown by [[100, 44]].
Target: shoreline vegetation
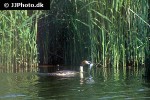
[[18, 40], [111, 33]]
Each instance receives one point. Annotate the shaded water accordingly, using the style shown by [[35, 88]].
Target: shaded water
[[104, 84]]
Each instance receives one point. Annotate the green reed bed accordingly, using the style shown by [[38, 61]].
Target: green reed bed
[[109, 32], [18, 40]]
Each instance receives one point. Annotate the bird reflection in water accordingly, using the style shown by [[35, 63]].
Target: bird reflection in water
[[88, 80]]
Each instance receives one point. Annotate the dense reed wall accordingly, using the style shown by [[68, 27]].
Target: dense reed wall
[[18, 49], [103, 31], [109, 32]]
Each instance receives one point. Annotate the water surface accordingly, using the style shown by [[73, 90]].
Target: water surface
[[103, 84]]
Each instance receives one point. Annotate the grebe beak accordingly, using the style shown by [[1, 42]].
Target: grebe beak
[[91, 65]]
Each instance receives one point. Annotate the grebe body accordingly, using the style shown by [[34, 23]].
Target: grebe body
[[62, 73], [67, 73]]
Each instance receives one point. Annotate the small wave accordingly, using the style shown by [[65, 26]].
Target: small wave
[[12, 96]]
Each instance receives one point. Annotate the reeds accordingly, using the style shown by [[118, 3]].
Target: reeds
[[18, 40], [108, 32]]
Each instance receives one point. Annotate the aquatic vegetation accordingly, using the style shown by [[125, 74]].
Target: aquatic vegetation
[[18, 32], [108, 32]]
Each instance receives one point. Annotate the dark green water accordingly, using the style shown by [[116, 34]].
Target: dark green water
[[106, 84]]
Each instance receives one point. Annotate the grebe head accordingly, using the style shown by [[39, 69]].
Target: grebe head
[[85, 62]]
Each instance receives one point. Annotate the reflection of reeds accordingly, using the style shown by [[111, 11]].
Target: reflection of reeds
[[18, 40]]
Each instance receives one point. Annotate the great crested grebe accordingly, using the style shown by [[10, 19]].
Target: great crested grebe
[[69, 73]]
